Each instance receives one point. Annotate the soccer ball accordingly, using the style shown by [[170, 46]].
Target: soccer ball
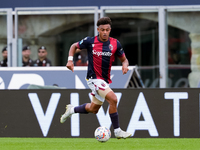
[[102, 134]]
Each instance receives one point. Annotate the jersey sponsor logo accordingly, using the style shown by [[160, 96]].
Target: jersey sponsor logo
[[94, 52]]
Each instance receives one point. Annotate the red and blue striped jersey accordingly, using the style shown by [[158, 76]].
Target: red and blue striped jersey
[[100, 56]]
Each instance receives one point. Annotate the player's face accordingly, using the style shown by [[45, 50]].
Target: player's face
[[104, 32]]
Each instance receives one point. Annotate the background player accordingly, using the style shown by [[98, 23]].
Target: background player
[[101, 51]]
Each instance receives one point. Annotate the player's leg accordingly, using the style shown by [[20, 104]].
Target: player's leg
[[111, 98], [94, 106], [86, 108]]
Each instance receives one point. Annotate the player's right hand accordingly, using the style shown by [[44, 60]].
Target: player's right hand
[[70, 65]]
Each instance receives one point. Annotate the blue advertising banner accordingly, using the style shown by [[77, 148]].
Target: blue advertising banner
[[23, 77]]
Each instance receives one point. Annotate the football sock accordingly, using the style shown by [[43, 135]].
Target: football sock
[[115, 120], [80, 109]]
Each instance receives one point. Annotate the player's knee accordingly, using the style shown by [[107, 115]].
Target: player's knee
[[114, 101], [111, 98], [95, 112]]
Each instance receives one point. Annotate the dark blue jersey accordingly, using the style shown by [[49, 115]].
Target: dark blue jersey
[[100, 56]]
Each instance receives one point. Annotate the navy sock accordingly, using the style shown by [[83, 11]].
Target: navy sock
[[80, 109], [115, 120]]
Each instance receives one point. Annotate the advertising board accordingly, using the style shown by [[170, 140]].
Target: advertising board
[[23, 77], [146, 113]]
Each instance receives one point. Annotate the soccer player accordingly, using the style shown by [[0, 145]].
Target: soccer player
[[101, 53]]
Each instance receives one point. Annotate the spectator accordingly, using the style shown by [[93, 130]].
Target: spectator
[[26, 61], [3, 63], [42, 57]]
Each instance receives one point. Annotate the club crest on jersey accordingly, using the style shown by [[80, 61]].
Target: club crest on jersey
[[111, 47]]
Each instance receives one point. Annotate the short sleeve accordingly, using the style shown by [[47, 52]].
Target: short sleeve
[[120, 51], [83, 44]]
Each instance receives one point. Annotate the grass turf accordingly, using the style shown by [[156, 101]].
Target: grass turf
[[93, 144]]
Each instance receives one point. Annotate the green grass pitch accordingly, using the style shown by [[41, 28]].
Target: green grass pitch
[[93, 144]]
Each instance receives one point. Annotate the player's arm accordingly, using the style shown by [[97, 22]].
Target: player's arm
[[125, 64], [72, 51]]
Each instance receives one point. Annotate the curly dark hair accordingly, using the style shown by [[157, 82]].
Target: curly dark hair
[[103, 21]]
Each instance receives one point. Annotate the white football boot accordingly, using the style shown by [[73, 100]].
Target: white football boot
[[67, 113], [122, 134]]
